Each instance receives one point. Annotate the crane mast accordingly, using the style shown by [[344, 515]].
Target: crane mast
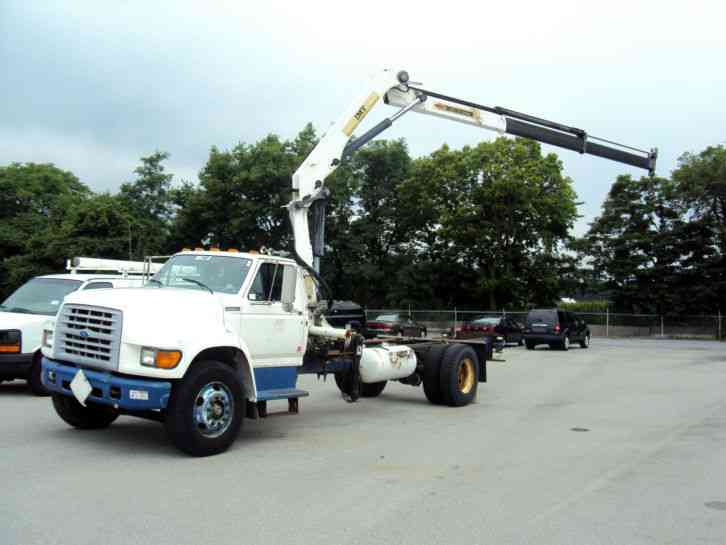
[[394, 88]]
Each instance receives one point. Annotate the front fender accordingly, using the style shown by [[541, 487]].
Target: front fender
[[244, 362]]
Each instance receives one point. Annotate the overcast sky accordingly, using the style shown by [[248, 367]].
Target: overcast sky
[[93, 86]]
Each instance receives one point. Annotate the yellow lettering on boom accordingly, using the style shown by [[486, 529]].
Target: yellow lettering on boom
[[360, 115]]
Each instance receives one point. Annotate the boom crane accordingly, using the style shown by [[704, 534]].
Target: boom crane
[[396, 90]]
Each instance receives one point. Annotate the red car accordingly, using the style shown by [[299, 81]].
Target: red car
[[395, 324], [509, 329]]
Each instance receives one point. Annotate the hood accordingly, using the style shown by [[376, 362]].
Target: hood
[[163, 317], [18, 320]]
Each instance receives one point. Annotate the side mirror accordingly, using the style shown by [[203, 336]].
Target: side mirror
[[289, 283]]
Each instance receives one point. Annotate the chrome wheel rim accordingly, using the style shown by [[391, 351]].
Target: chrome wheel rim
[[567, 342], [213, 410], [587, 340]]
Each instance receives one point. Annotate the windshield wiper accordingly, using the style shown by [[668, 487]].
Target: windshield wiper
[[20, 310], [156, 281], [198, 283]]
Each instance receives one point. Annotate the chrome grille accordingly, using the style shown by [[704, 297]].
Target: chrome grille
[[89, 336]]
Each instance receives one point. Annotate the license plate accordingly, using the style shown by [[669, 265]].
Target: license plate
[[80, 387]]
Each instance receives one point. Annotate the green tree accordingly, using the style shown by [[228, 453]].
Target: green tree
[[95, 226], [370, 256], [499, 213], [34, 199], [241, 195], [148, 202], [653, 253], [700, 189]]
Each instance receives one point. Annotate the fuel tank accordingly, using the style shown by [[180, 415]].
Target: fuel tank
[[387, 362]]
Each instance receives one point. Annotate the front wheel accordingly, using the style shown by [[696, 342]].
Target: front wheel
[[90, 417], [585, 342], [206, 409], [565, 345], [459, 375]]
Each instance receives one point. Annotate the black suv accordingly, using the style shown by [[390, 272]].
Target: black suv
[[344, 313], [555, 327]]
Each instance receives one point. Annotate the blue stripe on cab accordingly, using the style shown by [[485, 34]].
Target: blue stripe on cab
[[275, 378]]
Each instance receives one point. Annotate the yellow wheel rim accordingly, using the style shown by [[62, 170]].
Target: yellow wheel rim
[[467, 376]]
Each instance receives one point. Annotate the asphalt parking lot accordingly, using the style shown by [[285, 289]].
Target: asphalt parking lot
[[648, 466]]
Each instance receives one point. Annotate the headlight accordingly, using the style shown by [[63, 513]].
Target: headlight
[[161, 359], [47, 339], [10, 341]]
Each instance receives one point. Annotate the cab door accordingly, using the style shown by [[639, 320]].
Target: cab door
[[274, 334]]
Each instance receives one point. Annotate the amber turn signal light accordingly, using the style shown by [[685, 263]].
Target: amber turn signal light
[[167, 359]]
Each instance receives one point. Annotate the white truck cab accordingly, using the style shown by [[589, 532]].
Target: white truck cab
[[24, 312], [199, 301]]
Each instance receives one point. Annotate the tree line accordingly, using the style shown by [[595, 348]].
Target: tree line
[[659, 244], [485, 226]]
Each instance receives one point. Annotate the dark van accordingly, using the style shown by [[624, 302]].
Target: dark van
[[556, 328]]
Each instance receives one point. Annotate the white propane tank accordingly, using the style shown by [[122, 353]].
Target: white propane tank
[[387, 363]]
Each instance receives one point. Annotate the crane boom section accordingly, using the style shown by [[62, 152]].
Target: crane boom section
[[394, 89]]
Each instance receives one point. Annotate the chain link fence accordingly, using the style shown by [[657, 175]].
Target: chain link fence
[[602, 324]]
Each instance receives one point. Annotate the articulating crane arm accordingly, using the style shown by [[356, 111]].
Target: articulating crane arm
[[395, 89]]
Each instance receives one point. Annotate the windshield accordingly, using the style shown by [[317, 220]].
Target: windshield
[[387, 318], [542, 317], [40, 296], [494, 321], [218, 273]]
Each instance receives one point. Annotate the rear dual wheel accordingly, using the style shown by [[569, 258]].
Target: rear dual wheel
[[451, 375]]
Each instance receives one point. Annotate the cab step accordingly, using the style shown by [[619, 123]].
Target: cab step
[[283, 393], [259, 409]]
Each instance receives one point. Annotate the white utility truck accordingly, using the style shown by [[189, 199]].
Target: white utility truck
[[24, 312], [215, 335]]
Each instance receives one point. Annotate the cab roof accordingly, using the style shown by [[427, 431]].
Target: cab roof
[[87, 276], [246, 255]]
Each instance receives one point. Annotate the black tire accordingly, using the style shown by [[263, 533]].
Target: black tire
[[565, 343], [34, 377], [520, 342], [205, 377], [373, 389], [585, 342], [459, 376], [432, 373], [90, 417], [529, 345]]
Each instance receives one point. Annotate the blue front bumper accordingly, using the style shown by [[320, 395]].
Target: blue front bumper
[[132, 394]]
